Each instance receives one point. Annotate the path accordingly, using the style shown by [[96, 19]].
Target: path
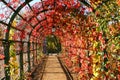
[[52, 71]]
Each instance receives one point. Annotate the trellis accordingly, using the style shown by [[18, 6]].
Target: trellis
[[31, 34]]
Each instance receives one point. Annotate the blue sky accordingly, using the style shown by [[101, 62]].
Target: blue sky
[[34, 1]]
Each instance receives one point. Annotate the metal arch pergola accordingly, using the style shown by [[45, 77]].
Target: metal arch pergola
[[35, 44], [6, 41]]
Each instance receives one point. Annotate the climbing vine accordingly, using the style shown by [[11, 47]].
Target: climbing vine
[[89, 33]]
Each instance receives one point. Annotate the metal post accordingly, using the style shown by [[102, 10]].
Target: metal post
[[6, 45], [29, 64], [21, 61]]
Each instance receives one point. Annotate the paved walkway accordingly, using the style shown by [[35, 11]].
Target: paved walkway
[[53, 70]]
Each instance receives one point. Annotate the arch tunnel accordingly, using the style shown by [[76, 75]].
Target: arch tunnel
[[88, 31]]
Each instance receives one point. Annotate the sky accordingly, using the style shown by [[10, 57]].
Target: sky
[[34, 1]]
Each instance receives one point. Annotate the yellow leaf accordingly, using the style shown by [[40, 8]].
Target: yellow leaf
[[14, 23]]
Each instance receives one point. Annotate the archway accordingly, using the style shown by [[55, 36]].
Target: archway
[[89, 31]]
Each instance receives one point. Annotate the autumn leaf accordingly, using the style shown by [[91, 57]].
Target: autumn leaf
[[2, 16], [2, 56]]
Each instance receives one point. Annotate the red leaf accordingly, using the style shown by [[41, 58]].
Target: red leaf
[[118, 2], [22, 35], [2, 56], [2, 16], [77, 5], [23, 4], [118, 76], [8, 4], [5, 30]]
